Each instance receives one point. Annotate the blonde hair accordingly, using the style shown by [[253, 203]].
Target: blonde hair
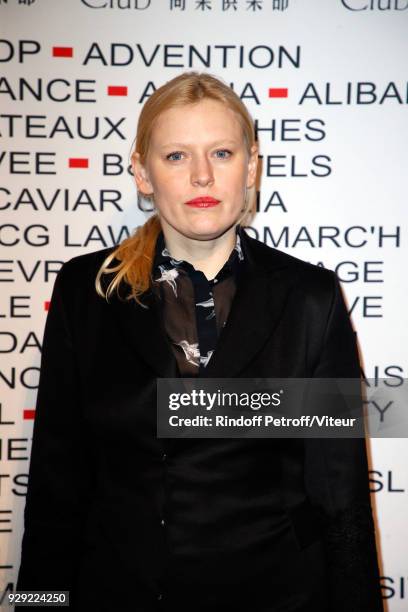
[[135, 254]]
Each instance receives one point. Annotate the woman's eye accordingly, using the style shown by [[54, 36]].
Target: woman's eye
[[228, 153], [176, 156]]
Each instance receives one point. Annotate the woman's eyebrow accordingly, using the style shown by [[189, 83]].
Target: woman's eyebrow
[[184, 144]]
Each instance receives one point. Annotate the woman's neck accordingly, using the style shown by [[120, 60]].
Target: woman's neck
[[209, 256]]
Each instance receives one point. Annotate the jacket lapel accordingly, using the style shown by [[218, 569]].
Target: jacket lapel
[[257, 306], [141, 328]]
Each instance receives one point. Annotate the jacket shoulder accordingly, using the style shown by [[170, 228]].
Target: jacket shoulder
[[306, 275], [83, 268]]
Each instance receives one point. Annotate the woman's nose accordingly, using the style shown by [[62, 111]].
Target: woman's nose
[[201, 171]]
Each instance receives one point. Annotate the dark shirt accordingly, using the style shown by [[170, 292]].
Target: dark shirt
[[194, 309]]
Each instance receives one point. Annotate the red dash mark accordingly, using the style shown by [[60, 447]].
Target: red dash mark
[[28, 414], [47, 305], [278, 92], [78, 162], [117, 90], [62, 51]]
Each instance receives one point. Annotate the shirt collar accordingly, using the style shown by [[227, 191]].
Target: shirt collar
[[233, 266]]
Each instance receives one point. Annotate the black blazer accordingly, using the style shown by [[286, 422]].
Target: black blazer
[[97, 480]]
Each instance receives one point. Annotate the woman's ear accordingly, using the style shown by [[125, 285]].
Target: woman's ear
[[252, 166], [141, 176]]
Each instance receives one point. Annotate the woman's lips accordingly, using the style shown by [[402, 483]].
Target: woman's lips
[[203, 202]]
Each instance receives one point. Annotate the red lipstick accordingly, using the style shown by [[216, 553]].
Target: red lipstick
[[203, 202]]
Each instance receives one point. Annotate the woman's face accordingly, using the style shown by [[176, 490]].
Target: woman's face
[[195, 151]]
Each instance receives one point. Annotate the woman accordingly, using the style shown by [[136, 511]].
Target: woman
[[125, 520]]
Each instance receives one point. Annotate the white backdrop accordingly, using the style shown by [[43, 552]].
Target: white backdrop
[[334, 177]]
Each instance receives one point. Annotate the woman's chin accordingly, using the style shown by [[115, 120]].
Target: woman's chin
[[207, 231], [202, 226], [207, 225]]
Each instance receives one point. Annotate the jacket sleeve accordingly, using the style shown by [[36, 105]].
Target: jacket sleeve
[[60, 476], [336, 476]]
